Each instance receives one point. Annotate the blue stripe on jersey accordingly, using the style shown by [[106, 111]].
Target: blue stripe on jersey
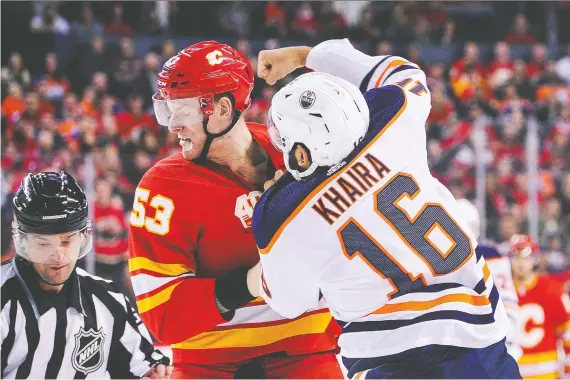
[[478, 254], [434, 288], [399, 69], [439, 362], [487, 251], [282, 199], [480, 287], [481, 319], [366, 80]]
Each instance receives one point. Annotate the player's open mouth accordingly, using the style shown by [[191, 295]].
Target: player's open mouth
[[186, 144]]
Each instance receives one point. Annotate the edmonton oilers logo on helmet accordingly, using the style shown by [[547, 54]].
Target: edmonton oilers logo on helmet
[[307, 99], [88, 354]]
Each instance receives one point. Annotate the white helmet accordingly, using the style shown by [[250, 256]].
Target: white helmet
[[471, 213], [325, 113]]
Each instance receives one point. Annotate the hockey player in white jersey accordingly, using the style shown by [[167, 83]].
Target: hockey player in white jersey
[[359, 220], [500, 267]]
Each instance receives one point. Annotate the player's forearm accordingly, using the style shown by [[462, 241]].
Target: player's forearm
[[340, 58], [191, 310]]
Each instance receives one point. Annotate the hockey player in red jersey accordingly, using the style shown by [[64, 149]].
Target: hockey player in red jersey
[[191, 243], [544, 314]]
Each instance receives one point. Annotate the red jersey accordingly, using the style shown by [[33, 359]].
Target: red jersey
[[190, 224], [111, 234], [544, 324]]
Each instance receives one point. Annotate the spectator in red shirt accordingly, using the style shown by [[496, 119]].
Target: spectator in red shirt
[[111, 241], [14, 102], [520, 33], [33, 111], [441, 108], [275, 19], [467, 73], [135, 118], [117, 27], [501, 68], [46, 105], [305, 23], [537, 63]]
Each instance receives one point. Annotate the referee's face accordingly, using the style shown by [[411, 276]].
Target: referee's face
[[54, 257]]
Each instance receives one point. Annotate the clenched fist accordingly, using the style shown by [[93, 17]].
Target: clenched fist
[[161, 371], [273, 65], [270, 183]]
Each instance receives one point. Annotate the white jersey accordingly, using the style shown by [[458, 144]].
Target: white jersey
[[500, 267], [377, 236]]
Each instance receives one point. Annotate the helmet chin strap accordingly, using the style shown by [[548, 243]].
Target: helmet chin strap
[[211, 136]]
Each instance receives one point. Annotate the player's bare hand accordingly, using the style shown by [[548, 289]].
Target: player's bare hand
[[270, 183], [273, 65], [161, 371]]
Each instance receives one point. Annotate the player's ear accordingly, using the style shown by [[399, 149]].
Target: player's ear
[[302, 156], [224, 107]]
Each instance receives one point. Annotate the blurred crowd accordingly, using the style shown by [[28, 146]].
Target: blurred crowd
[[91, 113]]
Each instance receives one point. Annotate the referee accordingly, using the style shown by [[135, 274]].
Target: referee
[[58, 321]]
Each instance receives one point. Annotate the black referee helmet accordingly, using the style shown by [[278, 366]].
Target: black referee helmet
[[50, 203]]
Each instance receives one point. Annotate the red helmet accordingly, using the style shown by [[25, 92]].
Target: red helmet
[[204, 70], [522, 246]]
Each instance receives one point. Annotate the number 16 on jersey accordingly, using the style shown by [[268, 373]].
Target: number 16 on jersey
[[414, 231]]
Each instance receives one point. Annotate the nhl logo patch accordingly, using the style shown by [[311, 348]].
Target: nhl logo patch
[[88, 354], [307, 99]]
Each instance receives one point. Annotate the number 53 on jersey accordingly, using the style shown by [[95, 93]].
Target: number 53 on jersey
[[157, 222]]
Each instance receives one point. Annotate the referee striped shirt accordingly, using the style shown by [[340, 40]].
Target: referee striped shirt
[[87, 330]]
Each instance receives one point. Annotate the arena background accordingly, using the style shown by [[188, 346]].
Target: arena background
[[77, 81]]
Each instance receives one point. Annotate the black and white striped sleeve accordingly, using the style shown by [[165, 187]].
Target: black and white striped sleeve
[[135, 346], [132, 353]]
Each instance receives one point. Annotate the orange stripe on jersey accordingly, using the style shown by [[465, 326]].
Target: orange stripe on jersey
[[159, 298], [541, 357], [397, 62], [425, 305], [486, 272], [309, 198], [550, 375], [138, 263], [359, 375], [259, 336]]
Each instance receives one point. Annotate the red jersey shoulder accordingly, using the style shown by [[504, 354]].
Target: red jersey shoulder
[[170, 169], [259, 132], [550, 285]]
